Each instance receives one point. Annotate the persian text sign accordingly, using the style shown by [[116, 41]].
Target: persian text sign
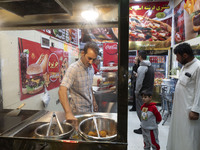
[[150, 25]]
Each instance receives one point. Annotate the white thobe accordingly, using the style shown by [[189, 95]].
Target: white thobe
[[184, 134]]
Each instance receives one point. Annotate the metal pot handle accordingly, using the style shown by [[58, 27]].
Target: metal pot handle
[[58, 122], [49, 127], [50, 123]]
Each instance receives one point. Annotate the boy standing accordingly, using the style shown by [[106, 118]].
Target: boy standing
[[150, 118]]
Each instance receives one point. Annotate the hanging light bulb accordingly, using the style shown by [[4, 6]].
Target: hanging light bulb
[[90, 15]]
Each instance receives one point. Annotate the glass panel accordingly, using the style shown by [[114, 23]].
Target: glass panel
[[56, 38]]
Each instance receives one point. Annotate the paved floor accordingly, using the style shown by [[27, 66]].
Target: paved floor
[[135, 141]]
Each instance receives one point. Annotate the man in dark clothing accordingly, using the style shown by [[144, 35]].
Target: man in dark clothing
[[144, 82], [133, 81]]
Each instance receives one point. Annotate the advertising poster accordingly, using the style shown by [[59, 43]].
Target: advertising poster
[[179, 29], [39, 67], [110, 54], [192, 18], [99, 35], [72, 36], [67, 35], [150, 25]]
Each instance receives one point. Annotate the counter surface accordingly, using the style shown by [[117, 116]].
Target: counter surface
[[10, 141], [8, 122]]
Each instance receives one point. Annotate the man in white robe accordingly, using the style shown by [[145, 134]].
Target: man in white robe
[[184, 131]]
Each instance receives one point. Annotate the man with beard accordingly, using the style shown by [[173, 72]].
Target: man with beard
[[184, 131], [78, 80]]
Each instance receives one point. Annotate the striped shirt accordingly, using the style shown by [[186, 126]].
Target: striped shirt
[[78, 79]]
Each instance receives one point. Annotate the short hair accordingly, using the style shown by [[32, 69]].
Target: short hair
[[91, 45], [184, 48], [146, 93], [143, 54]]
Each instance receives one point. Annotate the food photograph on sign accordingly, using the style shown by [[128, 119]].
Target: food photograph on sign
[[192, 18], [179, 28], [150, 25], [40, 67], [99, 35]]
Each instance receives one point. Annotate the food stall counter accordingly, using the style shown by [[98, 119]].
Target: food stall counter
[[16, 139]]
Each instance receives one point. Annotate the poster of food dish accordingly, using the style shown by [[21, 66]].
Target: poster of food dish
[[99, 35], [179, 28], [150, 25], [39, 67], [191, 18]]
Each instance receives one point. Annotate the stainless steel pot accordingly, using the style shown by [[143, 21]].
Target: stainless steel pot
[[54, 131], [103, 124]]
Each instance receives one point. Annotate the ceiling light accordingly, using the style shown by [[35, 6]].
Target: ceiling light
[[90, 15]]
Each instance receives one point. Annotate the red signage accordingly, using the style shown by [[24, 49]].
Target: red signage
[[40, 67], [150, 25], [110, 54], [53, 67], [179, 23]]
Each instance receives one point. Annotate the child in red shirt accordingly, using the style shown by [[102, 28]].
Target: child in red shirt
[[150, 118]]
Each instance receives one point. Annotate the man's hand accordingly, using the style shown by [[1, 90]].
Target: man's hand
[[136, 75], [95, 106], [193, 115], [71, 119]]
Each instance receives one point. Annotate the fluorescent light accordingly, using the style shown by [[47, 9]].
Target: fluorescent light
[[90, 15]]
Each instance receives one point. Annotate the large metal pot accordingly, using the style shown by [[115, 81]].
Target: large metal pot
[[103, 124], [55, 132]]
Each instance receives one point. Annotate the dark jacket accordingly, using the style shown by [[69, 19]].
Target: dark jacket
[[145, 77], [133, 78]]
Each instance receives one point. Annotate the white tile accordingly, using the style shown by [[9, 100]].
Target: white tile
[[135, 141]]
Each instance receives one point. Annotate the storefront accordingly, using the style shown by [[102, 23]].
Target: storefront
[[31, 30]]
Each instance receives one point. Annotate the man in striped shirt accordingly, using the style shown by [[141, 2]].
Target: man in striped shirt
[[78, 80]]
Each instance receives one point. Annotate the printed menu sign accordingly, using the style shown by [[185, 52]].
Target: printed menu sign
[[72, 36], [150, 25], [59, 33], [99, 35], [67, 35]]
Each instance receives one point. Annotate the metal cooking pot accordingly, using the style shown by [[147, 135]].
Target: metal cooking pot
[[103, 124], [54, 131]]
